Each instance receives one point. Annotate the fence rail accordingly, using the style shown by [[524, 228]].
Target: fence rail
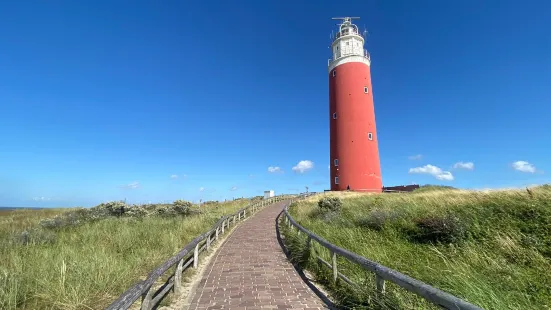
[[382, 273], [187, 257]]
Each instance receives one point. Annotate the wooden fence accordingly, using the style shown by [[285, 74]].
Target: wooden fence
[[382, 273], [187, 257]]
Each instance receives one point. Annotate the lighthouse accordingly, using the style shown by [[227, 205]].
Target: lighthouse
[[354, 151]]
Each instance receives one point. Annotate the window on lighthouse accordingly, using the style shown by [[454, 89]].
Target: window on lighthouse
[[336, 162], [370, 136], [334, 72], [336, 180], [366, 90], [335, 115]]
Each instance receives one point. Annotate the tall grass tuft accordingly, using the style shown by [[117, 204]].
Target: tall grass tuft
[[85, 259], [490, 248]]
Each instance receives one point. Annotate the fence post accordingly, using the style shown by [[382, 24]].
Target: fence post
[[234, 219], [239, 216], [178, 277], [216, 233], [208, 241], [146, 299], [335, 271], [380, 284], [196, 256], [223, 223], [244, 213]]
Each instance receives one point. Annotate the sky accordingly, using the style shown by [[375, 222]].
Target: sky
[[163, 100]]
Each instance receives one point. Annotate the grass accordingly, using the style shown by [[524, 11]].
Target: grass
[[491, 248], [87, 266]]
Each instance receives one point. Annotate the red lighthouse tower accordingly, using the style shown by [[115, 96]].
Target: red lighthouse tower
[[353, 136]]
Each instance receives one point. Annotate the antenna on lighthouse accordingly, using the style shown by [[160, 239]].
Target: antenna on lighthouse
[[346, 20]]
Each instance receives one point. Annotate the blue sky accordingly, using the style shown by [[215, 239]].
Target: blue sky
[[104, 100]]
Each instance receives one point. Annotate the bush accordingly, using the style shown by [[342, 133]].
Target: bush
[[179, 207], [83, 215], [51, 223], [435, 229], [330, 204], [182, 207], [114, 208], [118, 209], [377, 219], [136, 211]]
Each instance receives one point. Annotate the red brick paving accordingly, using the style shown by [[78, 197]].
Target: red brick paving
[[250, 271]]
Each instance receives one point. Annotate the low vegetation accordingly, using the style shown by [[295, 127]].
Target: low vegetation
[[491, 248], [84, 258]]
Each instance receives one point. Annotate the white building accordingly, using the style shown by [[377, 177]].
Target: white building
[[268, 194]]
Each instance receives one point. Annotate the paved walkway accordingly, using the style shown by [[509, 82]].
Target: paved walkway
[[250, 271]]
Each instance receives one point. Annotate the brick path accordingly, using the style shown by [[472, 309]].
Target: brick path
[[250, 271]]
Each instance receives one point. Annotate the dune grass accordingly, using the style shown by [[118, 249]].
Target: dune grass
[[492, 249], [88, 265]]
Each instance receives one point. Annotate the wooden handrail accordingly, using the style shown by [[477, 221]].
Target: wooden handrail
[[381, 272], [152, 297]]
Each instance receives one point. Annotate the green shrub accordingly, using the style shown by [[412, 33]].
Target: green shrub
[[330, 204], [182, 207], [51, 223], [118, 209], [115, 208], [377, 219], [136, 211], [435, 229], [178, 208]]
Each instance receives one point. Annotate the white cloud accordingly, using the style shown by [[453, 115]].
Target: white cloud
[[303, 166], [462, 165], [434, 171], [201, 189], [233, 188], [524, 166], [42, 198], [274, 169], [445, 175], [174, 176], [131, 185], [415, 157]]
